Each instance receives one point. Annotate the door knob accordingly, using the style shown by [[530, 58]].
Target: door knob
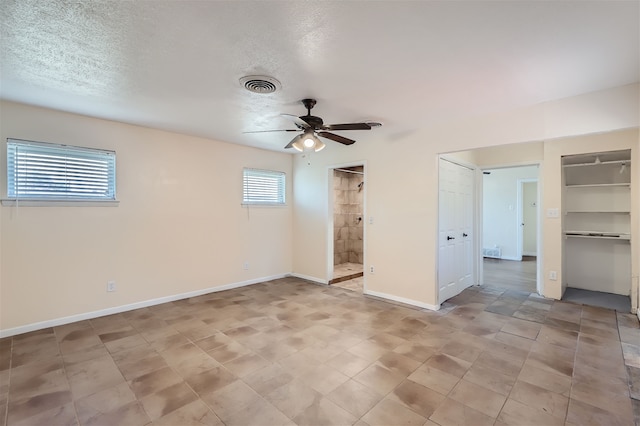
[[464, 235], [449, 237]]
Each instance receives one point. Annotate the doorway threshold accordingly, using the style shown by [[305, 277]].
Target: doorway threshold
[[346, 278]]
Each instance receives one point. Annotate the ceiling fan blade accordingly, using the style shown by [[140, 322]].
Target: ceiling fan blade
[[348, 126], [267, 131], [297, 120], [337, 138]]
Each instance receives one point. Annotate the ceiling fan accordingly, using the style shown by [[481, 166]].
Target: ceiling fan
[[313, 126]]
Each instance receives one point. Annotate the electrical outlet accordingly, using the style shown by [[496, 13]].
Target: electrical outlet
[[553, 275], [111, 286], [245, 265], [371, 269]]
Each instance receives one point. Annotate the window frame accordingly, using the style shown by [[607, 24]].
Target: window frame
[[83, 155], [280, 186]]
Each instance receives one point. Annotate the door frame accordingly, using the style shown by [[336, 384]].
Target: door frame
[[330, 204], [520, 198], [480, 199], [477, 266]]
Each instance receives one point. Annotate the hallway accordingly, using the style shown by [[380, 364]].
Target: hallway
[[511, 274]]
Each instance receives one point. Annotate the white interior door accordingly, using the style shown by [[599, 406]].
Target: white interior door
[[455, 233]]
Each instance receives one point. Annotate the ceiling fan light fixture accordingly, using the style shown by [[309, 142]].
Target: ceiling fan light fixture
[[298, 145], [308, 142]]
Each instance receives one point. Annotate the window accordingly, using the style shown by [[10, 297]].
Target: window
[[263, 187], [40, 171]]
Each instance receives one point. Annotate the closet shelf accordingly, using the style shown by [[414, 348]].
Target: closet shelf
[[597, 235], [596, 185], [599, 211]]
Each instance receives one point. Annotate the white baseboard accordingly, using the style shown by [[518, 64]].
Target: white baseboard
[[130, 307], [310, 278], [511, 258], [402, 300]]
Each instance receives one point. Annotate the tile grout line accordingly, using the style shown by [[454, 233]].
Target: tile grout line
[[575, 357], [138, 401], [626, 367], [6, 404], [66, 377]]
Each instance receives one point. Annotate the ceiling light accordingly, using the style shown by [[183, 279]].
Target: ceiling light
[[308, 141]]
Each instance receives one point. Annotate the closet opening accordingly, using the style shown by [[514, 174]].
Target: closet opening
[[597, 229]]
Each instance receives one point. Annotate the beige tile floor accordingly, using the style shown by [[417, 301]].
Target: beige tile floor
[[346, 269], [354, 284], [290, 352], [349, 270]]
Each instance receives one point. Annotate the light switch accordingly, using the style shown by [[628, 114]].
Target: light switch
[[553, 213]]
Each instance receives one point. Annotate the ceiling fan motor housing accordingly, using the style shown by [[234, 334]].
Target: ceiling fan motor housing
[[313, 121]]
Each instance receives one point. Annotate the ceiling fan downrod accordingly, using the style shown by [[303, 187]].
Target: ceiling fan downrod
[[309, 104]]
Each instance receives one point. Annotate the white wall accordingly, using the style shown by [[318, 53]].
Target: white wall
[[402, 186], [501, 223], [179, 227]]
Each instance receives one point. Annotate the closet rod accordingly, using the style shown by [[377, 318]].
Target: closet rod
[[349, 171], [597, 164]]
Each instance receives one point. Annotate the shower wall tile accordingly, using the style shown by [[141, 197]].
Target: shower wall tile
[[344, 233], [339, 220], [355, 181], [347, 209], [354, 246], [344, 183]]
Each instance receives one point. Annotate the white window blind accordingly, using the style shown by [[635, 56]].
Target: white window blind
[[264, 187], [39, 171]]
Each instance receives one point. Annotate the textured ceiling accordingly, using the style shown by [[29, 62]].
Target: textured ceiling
[[175, 65]]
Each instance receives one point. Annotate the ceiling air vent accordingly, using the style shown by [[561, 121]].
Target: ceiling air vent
[[260, 83]]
